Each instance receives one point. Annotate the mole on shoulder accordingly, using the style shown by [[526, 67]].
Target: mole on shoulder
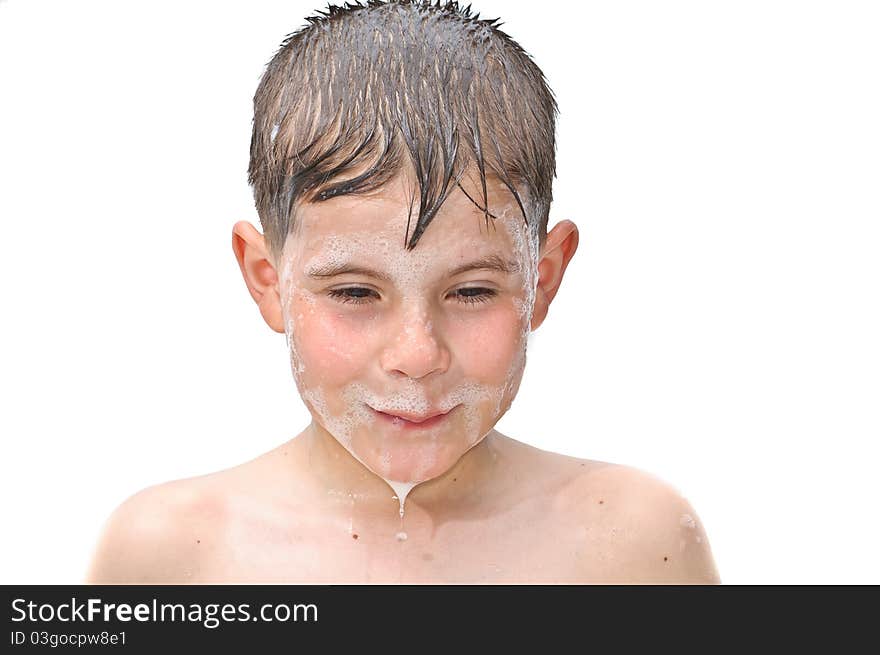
[[354, 536], [665, 558], [601, 502], [198, 541]]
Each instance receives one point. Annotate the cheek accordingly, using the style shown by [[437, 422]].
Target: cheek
[[330, 346], [487, 346]]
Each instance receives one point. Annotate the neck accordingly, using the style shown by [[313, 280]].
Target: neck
[[343, 479]]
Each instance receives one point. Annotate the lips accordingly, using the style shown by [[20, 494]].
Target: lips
[[413, 418], [410, 420]]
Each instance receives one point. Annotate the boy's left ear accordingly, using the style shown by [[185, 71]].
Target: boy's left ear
[[559, 248]]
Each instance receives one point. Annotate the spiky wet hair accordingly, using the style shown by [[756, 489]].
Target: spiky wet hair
[[363, 91]]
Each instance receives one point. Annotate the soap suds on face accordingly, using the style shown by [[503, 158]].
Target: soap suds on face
[[358, 415], [346, 411], [526, 247]]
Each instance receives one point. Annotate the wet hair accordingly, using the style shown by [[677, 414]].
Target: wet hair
[[364, 91]]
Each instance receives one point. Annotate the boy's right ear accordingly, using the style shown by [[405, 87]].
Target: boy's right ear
[[258, 271]]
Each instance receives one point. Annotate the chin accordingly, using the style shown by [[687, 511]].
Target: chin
[[412, 462]]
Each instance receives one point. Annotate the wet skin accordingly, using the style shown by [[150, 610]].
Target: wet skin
[[484, 507]]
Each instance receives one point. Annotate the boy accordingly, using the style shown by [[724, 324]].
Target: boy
[[402, 162]]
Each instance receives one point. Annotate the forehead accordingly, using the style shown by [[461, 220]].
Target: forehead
[[376, 224]]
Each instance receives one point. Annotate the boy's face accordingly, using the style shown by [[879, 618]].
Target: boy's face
[[415, 338]]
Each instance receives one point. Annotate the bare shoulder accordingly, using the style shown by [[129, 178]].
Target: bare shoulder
[[186, 530], [659, 537], [156, 536], [642, 528]]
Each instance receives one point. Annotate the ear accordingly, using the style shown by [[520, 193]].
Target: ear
[[259, 272], [559, 248]]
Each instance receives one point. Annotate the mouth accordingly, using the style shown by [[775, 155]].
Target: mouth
[[412, 421]]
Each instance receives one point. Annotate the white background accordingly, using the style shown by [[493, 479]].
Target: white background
[[718, 326]]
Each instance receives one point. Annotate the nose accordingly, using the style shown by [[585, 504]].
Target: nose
[[414, 348]]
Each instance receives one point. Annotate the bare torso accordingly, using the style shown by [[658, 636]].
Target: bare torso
[[522, 530], [548, 519]]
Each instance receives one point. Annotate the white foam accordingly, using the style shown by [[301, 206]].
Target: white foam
[[401, 490]]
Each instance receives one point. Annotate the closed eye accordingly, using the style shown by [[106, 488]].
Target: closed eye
[[362, 295], [354, 295], [475, 294]]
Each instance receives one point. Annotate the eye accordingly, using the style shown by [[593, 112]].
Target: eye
[[472, 295], [353, 295], [362, 295]]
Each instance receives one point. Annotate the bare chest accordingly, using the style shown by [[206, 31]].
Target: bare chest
[[532, 544]]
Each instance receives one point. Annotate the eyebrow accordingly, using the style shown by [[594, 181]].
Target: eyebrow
[[487, 263]]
